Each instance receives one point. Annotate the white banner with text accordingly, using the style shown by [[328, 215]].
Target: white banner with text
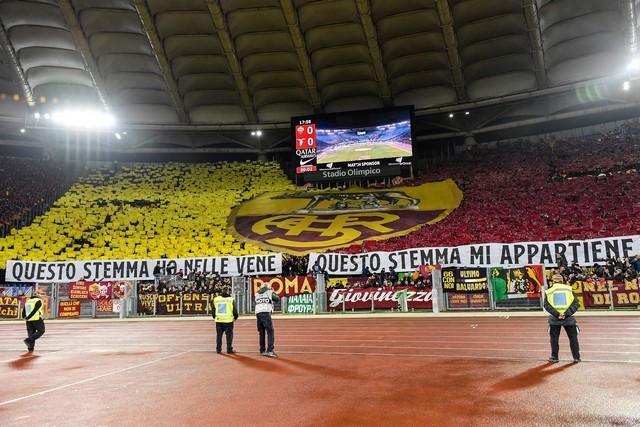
[[140, 269], [584, 252]]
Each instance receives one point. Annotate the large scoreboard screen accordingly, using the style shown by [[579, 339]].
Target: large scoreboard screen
[[353, 145]]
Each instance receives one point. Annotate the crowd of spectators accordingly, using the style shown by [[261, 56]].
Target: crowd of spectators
[[579, 188], [173, 210], [195, 282], [27, 183], [294, 265], [614, 269], [385, 280], [539, 191]]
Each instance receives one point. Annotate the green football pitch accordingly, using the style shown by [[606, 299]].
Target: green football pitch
[[362, 152]]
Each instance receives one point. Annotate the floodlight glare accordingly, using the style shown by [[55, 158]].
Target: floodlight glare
[[118, 136], [253, 133], [451, 115], [634, 65], [626, 85], [36, 115], [47, 116], [23, 130], [466, 113], [84, 119], [259, 132]]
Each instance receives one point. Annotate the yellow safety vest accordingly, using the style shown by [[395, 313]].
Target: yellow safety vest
[[224, 309], [560, 297], [29, 306]]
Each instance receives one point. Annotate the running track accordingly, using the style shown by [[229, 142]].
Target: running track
[[332, 371]]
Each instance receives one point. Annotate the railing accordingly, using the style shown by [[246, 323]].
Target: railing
[[591, 295]]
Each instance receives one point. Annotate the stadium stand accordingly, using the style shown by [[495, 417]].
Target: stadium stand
[[146, 211], [28, 188], [570, 189]]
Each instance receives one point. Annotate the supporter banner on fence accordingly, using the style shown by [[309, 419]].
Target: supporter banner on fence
[[139, 269], [286, 286], [302, 222], [69, 308], [300, 304], [383, 298], [457, 300], [464, 280], [90, 290], [169, 304], [195, 303], [624, 294], [146, 303], [104, 306], [16, 291], [9, 307], [584, 252], [516, 283]]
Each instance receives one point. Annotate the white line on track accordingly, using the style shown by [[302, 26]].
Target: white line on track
[[106, 374]]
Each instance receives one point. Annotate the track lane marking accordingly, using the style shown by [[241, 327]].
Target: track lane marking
[[86, 380]]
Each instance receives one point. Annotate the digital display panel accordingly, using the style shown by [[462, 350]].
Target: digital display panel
[[353, 145]]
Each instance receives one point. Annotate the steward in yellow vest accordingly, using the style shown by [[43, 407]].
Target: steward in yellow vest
[[561, 304], [33, 314], [224, 312]]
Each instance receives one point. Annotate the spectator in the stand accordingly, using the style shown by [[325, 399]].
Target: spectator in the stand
[[383, 275], [180, 274], [561, 304], [315, 269], [636, 264], [157, 270], [171, 269], [562, 262], [366, 272], [393, 276]]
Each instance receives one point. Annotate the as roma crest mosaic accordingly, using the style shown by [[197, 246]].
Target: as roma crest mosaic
[[314, 221]]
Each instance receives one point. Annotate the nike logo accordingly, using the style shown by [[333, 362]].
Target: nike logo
[[329, 165], [399, 159], [304, 162]]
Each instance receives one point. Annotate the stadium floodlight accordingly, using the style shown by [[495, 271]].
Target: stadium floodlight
[[626, 85], [451, 115], [84, 119], [466, 113], [634, 65], [253, 133], [47, 116], [118, 136], [258, 133], [36, 115], [23, 130]]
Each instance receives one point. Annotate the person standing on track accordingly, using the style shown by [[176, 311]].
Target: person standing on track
[[224, 312], [265, 297], [561, 303], [33, 314]]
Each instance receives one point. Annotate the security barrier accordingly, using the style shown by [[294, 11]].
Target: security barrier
[[452, 289]]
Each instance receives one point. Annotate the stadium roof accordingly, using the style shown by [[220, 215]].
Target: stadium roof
[[225, 65]]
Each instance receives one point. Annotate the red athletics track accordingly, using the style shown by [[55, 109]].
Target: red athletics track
[[332, 371]]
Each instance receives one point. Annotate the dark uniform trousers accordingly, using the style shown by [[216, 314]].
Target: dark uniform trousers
[[227, 329], [265, 325], [35, 329], [572, 333]]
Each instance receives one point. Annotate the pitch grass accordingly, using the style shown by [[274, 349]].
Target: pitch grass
[[349, 153]]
